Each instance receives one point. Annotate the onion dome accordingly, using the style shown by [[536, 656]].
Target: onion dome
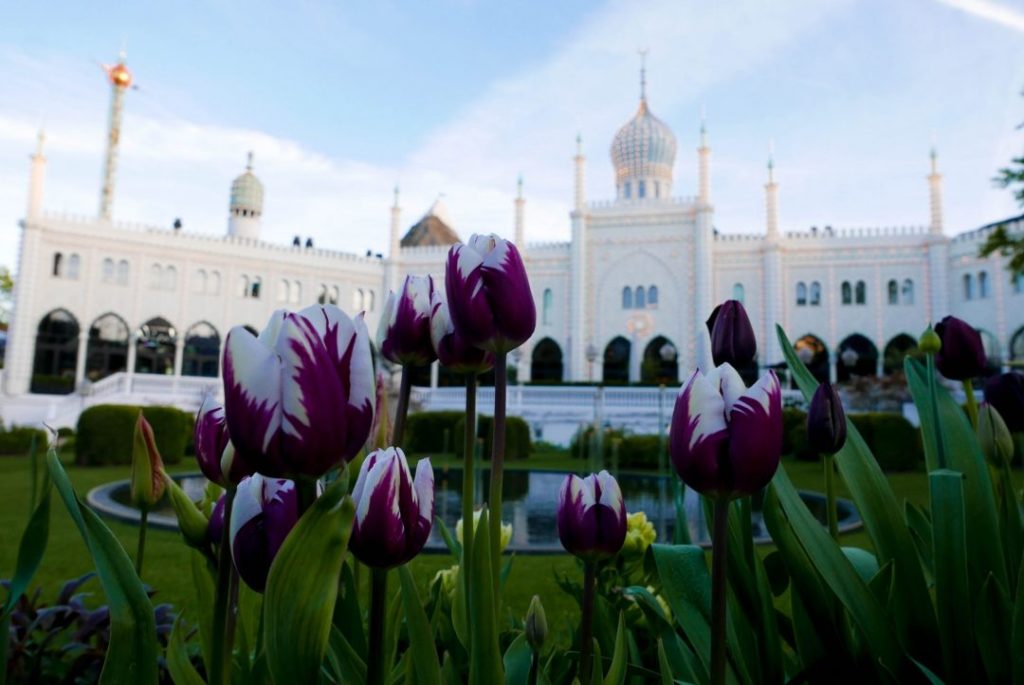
[[643, 153], [435, 228], [118, 73], [247, 194]]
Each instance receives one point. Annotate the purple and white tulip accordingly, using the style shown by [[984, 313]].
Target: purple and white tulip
[[489, 294], [394, 511], [264, 511], [591, 516], [726, 439], [453, 350], [403, 336], [298, 398], [217, 458], [215, 528]]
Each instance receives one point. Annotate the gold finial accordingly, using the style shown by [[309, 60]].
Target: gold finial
[[248, 162]]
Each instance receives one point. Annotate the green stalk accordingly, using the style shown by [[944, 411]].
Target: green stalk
[[934, 397], [497, 467], [830, 496], [468, 478], [398, 432], [378, 606], [719, 540], [223, 642], [587, 621], [972, 403], [143, 524]]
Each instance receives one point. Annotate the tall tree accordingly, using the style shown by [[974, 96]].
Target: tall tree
[[1001, 240]]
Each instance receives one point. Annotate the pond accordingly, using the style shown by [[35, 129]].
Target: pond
[[531, 498]]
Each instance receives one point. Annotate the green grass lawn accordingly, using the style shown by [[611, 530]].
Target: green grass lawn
[[167, 562]]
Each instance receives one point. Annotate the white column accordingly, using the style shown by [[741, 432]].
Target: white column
[[774, 302], [577, 340], [179, 354], [703, 168], [133, 343], [703, 300], [38, 176], [394, 248], [935, 195], [83, 343], [33, 266], [435, 369]]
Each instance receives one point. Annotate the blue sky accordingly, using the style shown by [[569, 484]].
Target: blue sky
[[341, 102]]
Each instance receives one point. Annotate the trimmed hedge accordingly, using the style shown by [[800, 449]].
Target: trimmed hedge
[[518, 441], [18, 440], [425, 432], [893, 440], [105, 432]]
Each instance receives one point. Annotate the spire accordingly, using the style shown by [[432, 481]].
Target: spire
[[248, 162], [935, 193], [703, 164], [520, 218], [643, 74], [120, 80], [771, 189], [580, 160], [396, 226], [35, 184]]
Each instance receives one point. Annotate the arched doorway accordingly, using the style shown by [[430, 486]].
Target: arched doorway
[[154, 351], [107, 349], [857, 356], [201, 356], [993, 355], [56, 354], [546, 362], [814, 354], [895, 351], [660, 365], [616, 361], [1017, 346]]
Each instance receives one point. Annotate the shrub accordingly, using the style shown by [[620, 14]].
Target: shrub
[[791, 418], [105, 433], [518, 441], [895, 443], [583, 442], [639, 452], [18, 440], [425, 432]]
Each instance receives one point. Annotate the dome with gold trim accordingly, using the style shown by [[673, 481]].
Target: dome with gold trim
[[643, 154], [247, 193]]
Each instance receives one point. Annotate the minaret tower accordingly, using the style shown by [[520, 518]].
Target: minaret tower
[[246, 205], [395, 244], [580, 162], [520, 205], [577, 342], [120, 81], [937, 304], [703, 166], [771, 201], [935, 194], [772, 270], [35, 184]]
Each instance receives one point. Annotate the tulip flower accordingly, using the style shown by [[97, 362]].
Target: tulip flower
[[216, 456], [394, 511], [536, 625], [263, 513], [732, 336], [591, 516], [380, 432], [962, 355], [453, 350], [215, 528], [489, 294], [298, 398], [147, 483], [403, 336], [726, 439], [1005, 392], [826, 421]]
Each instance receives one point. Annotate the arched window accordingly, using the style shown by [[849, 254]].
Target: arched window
[[815, 297], [861, 292], [968, 287], [201, 355], [123, 271], [154, 350], [371, 300], [170, 278], [295, 293], [657, 189], [335, 295], [641, 297], [652, 297], [627, 298], [254, 289], [546, 362], [282, 291], [56, 354], [357, 299], [801, 294], [616, 361], [58, 265], [908, 291], [738, 292], [108, 270], [213, 284], [641, 190], [548, 302], [626, 190], [74, 261], [155, 276], [107, 349], [847, 293], [199, 285], [322, 297], [894, 292], [982, 283], [660, 362]]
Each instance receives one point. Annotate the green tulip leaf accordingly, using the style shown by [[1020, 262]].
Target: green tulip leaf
[[517, 661], [449, 540], [344, 661], [178, 663], [1017, 634], [663, 667], [485, 659], [620, 657], [348, 615], [993, 630], [202, 580], [421, 635], [132, 652], [302, 587]]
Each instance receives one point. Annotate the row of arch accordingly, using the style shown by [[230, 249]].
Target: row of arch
[[658, 365], [639, 297]]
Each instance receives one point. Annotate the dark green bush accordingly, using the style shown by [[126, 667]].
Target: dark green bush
[[583, 443], [105, 433], [639, 452], [791, 418], [518, 441], [425, 432], [895, 443], [18, 440]]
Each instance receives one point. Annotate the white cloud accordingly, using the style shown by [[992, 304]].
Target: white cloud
[[991, 11]]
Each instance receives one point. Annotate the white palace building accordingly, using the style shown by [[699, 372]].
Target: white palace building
[[113, 311]]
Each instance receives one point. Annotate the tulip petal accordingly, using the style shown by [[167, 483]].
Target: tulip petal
[[755, 435], [252, 397], [509, 294], [467, 300], [210, 439], [698, 433], [729, 384]]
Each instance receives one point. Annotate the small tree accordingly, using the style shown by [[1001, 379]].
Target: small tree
[[1001, 240]]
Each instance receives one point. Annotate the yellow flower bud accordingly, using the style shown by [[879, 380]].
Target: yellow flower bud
[[640, 534], [506, 529]]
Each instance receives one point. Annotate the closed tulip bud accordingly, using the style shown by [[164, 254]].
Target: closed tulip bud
[[489, 294], [929, 342], [962, 355], [506, 530], [215, 529], [591, 516], [147, 483], [191, 522], [1005, 392], [211, 440], [640, 534], [732, 336], [264, 511], [536, 624], [380, 434], [826, 421], [453, 350], [394, 511], [726, 439], [994, 437], [403, 336], [298, 398]]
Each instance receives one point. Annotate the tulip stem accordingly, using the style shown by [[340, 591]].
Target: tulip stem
[[223, 642], [587, 620], [497, 468], [143, 524], [378, 600], [830, 496], [972, 403], [305, 489], [719, 540], [404, 390], [940, 447], [468, 479]]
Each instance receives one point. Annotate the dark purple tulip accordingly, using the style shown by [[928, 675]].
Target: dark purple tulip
[[215, 529], [732, 336], [489, 294], [264, 512], [299, 397], [726, 439], [1005, 392], [962, 355], [394, 511], [403, 336], [826, 421], [214, 451], [454, 351], [591, 516]]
